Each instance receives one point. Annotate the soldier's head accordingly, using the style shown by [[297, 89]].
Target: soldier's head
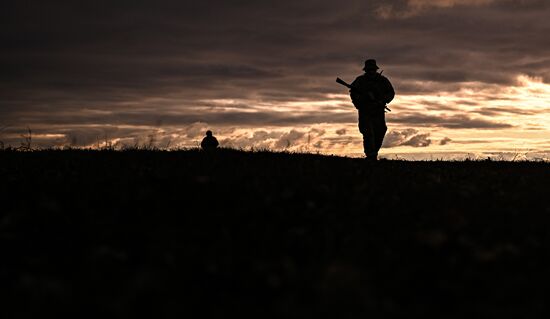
[[208, 133], [370, 66]]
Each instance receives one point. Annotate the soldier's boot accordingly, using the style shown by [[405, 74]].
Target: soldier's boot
[[371, 157]]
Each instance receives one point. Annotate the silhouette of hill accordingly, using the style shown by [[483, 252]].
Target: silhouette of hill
[[167, 234]]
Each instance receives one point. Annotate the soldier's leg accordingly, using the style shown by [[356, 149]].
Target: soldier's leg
[[380, 129], [369, 140], [366, 128]]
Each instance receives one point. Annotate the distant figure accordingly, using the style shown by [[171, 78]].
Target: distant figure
[[209, 142], [370, 93]]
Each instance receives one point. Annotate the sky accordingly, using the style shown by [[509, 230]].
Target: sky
[[472, 77]]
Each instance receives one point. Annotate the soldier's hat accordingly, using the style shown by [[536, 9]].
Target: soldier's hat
[[370, 64]]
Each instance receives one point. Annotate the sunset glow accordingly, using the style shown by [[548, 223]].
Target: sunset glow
[[472, 77], [521, 107]]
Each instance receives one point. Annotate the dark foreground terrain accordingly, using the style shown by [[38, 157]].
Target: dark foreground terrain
[[169, 234]]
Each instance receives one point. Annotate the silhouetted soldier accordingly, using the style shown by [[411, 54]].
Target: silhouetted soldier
[[370, 94], [209, 142]]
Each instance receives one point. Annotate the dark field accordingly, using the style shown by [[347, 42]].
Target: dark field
[[169, 234]]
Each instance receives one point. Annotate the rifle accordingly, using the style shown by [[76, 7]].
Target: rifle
[[369, 93]]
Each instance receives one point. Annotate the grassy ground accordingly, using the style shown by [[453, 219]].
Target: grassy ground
[[165, 234]]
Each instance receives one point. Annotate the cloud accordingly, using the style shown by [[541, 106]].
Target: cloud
[[492, 111], [448, 121], [341, 131], [420, 140], [445, 141], [293, 139], [68, 66], [195, 130], [416, 7], [159, 47], [476, 141], [288, 139], [407, 137], [338, 142]]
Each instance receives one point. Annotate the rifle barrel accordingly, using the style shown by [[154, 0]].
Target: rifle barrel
[[340, 81]]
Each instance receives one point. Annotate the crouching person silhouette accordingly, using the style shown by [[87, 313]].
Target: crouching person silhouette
[[370, 93], [209, 142]]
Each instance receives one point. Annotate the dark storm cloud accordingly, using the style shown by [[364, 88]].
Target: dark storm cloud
[[452, 121], [492, 111], [60, 57], [150, 118]]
